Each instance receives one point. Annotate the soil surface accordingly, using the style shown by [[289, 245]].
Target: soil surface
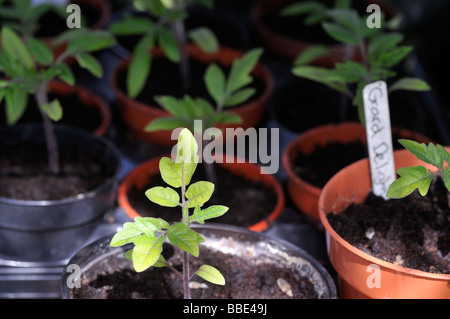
[[249, 202], [244, 280], [24, 172], [413, 232]]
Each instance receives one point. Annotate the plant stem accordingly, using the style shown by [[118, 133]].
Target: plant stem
[[180, 35], [52, 145], [187, 293]]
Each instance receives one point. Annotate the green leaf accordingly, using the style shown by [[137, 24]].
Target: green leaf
[[166, 124], [240, 71], [446, 177], [187, 148], [161, 262], [176, 174], [410, 84], [53, 110], [88, 62], [205, 39], [168, 44], [225, 117], [211, 274], [150, 225], [16, 104], [131, 25], [199, 193], [129, 232], [320, 75], [382, 43], [339, 33], [163, 196], [215, 82], [146, 252], [15, 48], [172, 105], [305, 7], [138, 71], [411, 178], [184, 238], [81, 40], [200, 215], [393, 57], [40, 51], [430, 154], [239, 97], [310, 54], [347, 72], [63, 72]]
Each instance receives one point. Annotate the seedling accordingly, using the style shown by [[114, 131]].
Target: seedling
[[148, 234], [315, 12], [225, 92], [379, 50], [169, 32], [418, 177], [29, 64]]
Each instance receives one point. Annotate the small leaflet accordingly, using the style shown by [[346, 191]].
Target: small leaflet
[[379, 137]]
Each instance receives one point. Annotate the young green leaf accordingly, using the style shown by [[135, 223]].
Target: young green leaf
[[132, 25], [239, 97], [88, 62], [204, 38], [199, 193], [184, 238], [200, 215], [16, 103], [176, 174], [138, 71], [431, 154], [211, 274], [163, 196], [215, 82], [410, 84], [411, 178], [339, 33], [310, 54], [166, 124], [240, 71], [40, 51], [15, 48], [146, 252], [187, 148], [129, 232], [169, 44], [151, 225], [53, 110]]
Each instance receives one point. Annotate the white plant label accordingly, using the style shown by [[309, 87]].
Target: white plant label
[[379, 137]]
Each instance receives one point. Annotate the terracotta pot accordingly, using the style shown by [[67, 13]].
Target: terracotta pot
[[289, 48], [237, 244], [142, 174], [351, 185], [137, 115], [305, 195]]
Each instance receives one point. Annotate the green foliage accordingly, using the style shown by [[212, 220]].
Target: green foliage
[[380, 51], [148, 234], [418, 177], [315, 12], [160, 30], [225, 92], [29, 65]]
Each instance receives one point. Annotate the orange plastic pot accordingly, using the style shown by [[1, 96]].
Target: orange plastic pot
[[351, 185], [142, 175], [137, 115], [289, 48], [305, 195]]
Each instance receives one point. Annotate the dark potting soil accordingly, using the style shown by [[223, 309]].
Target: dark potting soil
[[325, 161], [24, 173], [244, 280], [413, 232], [249, 202]]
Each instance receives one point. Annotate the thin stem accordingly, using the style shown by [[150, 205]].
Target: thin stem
[[52, 145], [180, 35], [187, 292]]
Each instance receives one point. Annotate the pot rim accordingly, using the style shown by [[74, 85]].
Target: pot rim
[[80, 197], [364, 163], [154, 163], [322, 272]]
